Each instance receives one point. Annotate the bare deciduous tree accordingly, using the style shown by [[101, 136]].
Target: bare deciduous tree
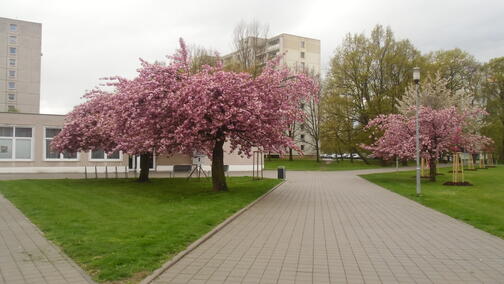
[[312, 123], [250, 41]]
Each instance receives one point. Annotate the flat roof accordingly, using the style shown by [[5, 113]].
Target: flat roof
[[10, 19], [27, 113]]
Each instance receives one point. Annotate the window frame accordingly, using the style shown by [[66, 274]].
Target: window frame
[[61, 157], [13, 30], [14, 139], [105, 159], [302, 54], [12, 48], [9, 85], [12, 39], [12, 60], [9, 72], [9, 99]]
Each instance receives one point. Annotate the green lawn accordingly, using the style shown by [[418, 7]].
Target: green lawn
[[121, 229], [481, 205], [312, 165]]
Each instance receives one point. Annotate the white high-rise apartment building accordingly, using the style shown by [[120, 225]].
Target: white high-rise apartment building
[[300, 54], [20, 56]]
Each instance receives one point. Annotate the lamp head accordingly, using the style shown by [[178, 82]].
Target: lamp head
[[416, 75]]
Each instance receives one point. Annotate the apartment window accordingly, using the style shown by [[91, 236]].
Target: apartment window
[[50, 154], [12, 62], [302, 44], [302, 54], [12, 74], [11, 97], [12, 39], [12, 85], [100, 154], [16, 143], [302, 126], [11, 108], [302, 147], [301, 106], [12, 50], [13, 27], [302, 137]]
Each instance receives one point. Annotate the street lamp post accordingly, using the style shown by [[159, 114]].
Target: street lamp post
[[416, 79]]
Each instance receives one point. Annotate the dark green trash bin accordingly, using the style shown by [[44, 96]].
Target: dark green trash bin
[[281, 172]]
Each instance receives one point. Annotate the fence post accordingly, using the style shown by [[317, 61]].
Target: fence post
[[85, 172], [95, 172], [116, 176], [106, 172], [126, 171]]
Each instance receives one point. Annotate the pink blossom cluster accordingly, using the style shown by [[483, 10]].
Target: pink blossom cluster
[[441, 131], [168, 109]]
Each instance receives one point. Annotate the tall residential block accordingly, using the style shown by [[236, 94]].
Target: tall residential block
[[301, 54], [20, 57]]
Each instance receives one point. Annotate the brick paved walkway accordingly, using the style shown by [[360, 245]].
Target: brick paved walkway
[[27, 257], [334, 227]]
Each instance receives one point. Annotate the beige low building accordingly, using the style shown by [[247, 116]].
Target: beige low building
[[25, 135], [25, 148]]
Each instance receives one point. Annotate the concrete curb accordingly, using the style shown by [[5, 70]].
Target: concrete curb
[[205, 237]]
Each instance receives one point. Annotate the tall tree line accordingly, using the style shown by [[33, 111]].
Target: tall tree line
[[368, 76]]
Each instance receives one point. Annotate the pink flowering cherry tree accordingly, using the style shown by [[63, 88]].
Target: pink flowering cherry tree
[[217, 106], [441, 131], [134, 118]]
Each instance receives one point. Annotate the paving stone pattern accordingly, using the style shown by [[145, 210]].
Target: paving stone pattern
[[335, 227], [27, 257]]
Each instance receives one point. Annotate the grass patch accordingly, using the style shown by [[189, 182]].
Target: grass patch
[[313, 165], [481, 205], [118, 228]]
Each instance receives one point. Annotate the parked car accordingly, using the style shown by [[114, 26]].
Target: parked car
[[325, 156]]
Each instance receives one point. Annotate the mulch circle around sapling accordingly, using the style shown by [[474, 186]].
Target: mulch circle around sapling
[[465, 183]]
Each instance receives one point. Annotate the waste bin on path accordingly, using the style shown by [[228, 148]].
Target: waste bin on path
[[281, 172]]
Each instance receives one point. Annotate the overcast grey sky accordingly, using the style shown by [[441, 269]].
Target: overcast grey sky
[[85, 40]]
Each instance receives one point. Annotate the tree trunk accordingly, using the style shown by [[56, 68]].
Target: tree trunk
[[218, 177], [290, 154], [364, 159], [318, 153], [433, 170], [144, 168]]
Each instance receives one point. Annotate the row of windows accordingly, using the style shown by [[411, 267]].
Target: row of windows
[[16, 144], [15, 148]]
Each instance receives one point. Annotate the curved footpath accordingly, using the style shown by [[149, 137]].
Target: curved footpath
[[26, 256], [335, 227]]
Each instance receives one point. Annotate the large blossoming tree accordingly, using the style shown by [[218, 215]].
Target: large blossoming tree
[[441, 131], [171, 109]]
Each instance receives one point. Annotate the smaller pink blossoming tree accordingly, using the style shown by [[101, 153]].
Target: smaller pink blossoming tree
[[441, 131]]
